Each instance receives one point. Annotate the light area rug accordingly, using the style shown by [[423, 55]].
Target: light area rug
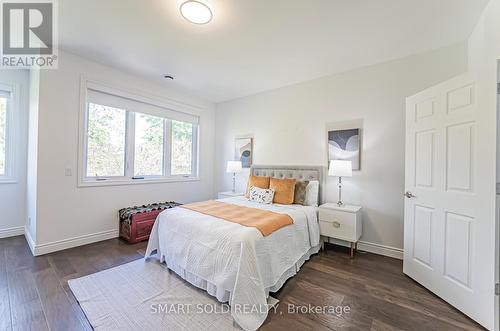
[[145, 294]]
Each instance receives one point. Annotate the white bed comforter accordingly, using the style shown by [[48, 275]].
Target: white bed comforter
[[235, 259]]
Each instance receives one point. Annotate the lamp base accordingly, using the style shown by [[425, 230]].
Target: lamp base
[[340, 203], [234, 182]]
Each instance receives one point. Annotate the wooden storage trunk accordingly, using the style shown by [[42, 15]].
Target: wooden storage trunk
[[136, 223]]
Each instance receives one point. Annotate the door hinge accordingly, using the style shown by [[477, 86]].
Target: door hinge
[[498, 88], [497, 289]]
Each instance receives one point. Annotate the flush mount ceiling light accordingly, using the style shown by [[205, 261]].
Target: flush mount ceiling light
[[196, 12]]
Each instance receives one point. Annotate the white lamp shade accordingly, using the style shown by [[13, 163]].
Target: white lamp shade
[[340, 168], [233, 166]]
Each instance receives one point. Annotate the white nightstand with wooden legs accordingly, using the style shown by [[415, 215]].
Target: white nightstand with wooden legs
[[341, 222], [229, 194]]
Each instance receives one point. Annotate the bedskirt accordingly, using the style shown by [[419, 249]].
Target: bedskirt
[[222, 294]]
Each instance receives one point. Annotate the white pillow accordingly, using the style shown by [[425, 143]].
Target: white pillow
[[261, 195], [312, 193]]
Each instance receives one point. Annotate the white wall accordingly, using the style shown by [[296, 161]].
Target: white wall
[[67, 215], [32, 161], [484, 52], [289, 128], [483, 55], [13, 195]]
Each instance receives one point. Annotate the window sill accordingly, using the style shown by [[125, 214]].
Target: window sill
[[8, 180], [112, 182]]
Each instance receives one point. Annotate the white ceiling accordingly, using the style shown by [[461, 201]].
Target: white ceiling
[[257, 45]]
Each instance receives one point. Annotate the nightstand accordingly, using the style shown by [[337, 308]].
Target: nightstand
[[229, 194], [341, 222]]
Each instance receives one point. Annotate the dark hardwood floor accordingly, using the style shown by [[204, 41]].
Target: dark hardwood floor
[[34, 294]]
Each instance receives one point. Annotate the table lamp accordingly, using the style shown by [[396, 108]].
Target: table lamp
[[234, 167], [340, 168]]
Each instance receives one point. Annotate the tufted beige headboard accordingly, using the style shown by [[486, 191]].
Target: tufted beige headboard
[[300, 173]]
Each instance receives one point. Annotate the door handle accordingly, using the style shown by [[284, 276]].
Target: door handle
[[409, 195]]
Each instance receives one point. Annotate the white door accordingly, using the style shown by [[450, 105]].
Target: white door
[[449, 243]]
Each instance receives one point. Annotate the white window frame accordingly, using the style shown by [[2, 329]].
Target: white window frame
[[12, 122], [129, 179], [84, 176]]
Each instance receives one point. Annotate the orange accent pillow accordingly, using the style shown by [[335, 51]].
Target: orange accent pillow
[[257, 181], [284, 190]]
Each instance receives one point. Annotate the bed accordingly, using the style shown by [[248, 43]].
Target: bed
[[234, 263]]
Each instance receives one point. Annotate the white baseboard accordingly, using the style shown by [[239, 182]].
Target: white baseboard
[[389, 251], [31, 242], [110, 234], [11, 232], [40, 249]]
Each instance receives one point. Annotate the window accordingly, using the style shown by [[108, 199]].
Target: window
[[126, 140], [149, 142], [3, 134], [182, 148], [105, 141], [6, 166]]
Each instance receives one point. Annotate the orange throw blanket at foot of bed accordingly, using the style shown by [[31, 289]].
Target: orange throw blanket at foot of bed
[[265, 221]]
